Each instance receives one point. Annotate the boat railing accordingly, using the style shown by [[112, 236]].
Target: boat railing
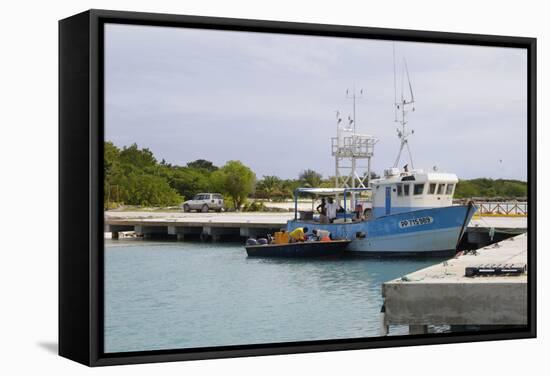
[[325, 192]]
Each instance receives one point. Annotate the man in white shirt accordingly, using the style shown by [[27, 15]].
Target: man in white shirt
[[331, 209]]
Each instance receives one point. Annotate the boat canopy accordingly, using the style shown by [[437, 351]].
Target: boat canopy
[[328, 191], [324, 192]]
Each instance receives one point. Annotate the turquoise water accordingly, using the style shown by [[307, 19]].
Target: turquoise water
[[173, 295]]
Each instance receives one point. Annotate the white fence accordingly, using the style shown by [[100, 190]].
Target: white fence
[[502, 208]]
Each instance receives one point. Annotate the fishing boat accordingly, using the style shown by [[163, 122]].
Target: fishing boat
[[300, 249], [410, 227], [408, 211]]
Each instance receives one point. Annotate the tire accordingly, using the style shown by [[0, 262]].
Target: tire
[[204, 209], [186, 208]]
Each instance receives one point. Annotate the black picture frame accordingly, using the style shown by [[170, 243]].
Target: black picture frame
[[80, 185]]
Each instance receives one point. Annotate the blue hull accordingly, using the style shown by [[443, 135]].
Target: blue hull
[[434, 231]]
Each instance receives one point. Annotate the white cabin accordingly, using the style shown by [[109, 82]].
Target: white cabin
[[403, 191]]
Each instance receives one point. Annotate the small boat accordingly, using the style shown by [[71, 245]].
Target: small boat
[[300, 249]]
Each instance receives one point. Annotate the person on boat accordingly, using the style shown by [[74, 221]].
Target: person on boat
[[359, 212], [298, 234], [322, 209], [331, 208]]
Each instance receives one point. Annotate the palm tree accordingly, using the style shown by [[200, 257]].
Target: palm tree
[[270, 185], [311, 178]]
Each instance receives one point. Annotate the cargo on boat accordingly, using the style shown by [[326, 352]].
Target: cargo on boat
[[299, 249]]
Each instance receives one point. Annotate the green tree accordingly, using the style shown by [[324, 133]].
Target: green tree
[[465, 189], [269, 187], [289, 186], [140, 158], [111, 167], [310, 178], [490, 192], [490, 188], [236, 181], [513, 189], [187, 181], [111, 156], [202, 164], [133, 176], [150, 190]]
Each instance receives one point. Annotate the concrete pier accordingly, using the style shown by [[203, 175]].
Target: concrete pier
[[442, 295], [207, 226], [490, 229], [218, 225]]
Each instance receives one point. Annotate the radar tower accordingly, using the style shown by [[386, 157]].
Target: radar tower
[[350, 148]]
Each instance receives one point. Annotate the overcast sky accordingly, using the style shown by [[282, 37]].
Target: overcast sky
[[269, 100]]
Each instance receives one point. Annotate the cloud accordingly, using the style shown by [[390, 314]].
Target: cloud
[[269, 99]]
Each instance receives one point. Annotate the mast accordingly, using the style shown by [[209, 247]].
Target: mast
[[402, 108]]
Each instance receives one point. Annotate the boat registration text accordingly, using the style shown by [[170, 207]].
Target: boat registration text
[[415, 222]]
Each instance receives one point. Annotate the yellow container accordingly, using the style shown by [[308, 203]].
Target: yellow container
[[281, 237]]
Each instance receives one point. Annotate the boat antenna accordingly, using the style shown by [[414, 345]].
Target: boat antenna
[[402, 107], [354, 96], [394, 86]]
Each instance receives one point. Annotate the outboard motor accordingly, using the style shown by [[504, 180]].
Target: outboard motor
[[251, 241]]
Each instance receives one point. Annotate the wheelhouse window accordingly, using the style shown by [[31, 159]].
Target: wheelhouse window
[[432, 188], [441, 189], [418, 189], [450, 188], [406, 189], [400, 189]]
